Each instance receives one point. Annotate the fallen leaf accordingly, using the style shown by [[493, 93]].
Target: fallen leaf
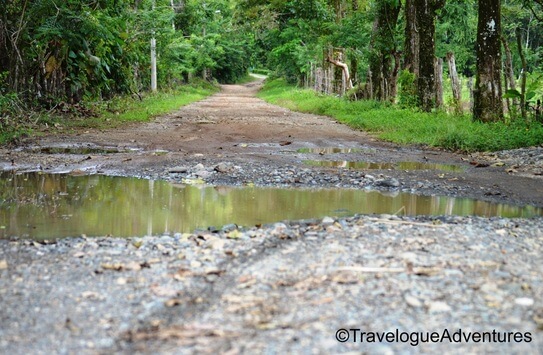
[[116, 266], [345, 277], [3, 264], [213, 271], [479, 165], [426, 271]]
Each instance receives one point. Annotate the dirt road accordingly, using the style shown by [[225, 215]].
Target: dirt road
[[333, 285], [235, 126]]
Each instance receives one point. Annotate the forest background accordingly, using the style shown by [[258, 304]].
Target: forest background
[[464, 75]]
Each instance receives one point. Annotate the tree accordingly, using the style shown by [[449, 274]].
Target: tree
[[383, 58], [488, 105], [426, 11], [411, 44]]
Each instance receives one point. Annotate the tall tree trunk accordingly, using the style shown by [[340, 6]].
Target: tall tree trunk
[[426, 14], [411, 44], [439, 82], [382, 51], [509, 75], [455, 83], [488, 106], [470, 89], [339, 9], [523, 74]]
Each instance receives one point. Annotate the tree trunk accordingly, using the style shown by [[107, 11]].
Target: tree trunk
[[339, 9], [382, 51], [426, 14], [523, 75], [439, 82], [470, 89], [393, 91], [509, 75], [487, 106], [455, 83], [347, 84], [411, 44]]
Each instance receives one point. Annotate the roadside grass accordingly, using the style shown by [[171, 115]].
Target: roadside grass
[[407, 126], [104, 114]]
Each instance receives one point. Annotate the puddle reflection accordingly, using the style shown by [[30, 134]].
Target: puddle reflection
[[333, 150], [51, 206], [406, 165]]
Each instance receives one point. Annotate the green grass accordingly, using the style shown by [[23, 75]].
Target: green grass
[[407, 126], [106, 114], [135, 110]]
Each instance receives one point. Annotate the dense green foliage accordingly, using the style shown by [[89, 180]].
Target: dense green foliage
[[70, 56], [67, 57], [109, 113], [407, 126]]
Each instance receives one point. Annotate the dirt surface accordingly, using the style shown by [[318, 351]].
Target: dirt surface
[[237, 127], [310, 287]]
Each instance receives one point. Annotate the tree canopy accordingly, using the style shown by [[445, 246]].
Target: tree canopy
[[74, 50]]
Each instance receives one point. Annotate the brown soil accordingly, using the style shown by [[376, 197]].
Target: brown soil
[[236, 126]]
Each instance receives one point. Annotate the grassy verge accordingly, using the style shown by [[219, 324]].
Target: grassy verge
[[406, 126], [106, 114]]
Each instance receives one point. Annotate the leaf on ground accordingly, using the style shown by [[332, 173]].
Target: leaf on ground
[[479, 164], [426, 271], [162, 291], [3, 264], [112, 266], [345, 277]]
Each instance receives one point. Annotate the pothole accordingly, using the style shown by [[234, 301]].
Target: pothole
[[406, 165], [79, 149], [334, 150], [45, 206]]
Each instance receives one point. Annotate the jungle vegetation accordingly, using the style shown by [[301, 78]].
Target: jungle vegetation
[[61, 61]]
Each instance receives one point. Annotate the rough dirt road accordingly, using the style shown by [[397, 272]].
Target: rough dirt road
[[237, 127], [288, 287]]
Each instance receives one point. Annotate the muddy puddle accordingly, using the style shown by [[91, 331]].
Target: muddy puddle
[[407, 165], [334, 150], [79, 149], [46, 206]]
